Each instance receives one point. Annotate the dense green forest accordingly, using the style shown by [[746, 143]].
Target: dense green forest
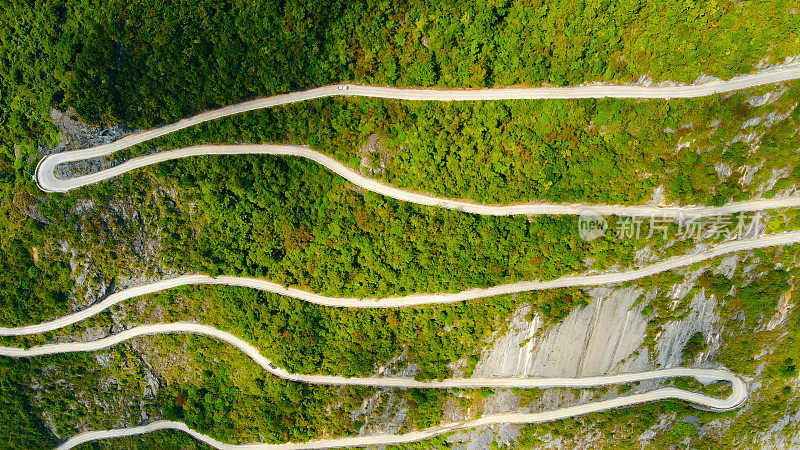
[[141, 64], [144, 63], [218, 391], [313, 231], [555, 150], [294, 224], [308, 337]]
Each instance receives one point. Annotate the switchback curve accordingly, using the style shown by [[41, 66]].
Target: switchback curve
[[47, 181], [45, 176], [738, 395]]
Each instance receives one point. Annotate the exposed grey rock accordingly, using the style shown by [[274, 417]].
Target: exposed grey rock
[[701, 318], [382, 413], [479, 440], [769, 119], [374, 157], [76, 134], [658, 199], [776, 175], [578, 346], [761, 100], [723, 170]]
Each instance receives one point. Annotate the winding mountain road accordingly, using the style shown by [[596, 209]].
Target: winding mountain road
[[787, 238], [737, 397], [47, 180]]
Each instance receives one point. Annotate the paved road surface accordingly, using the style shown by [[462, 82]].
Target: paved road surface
[[787, 238], [737, 397], [47, 180]]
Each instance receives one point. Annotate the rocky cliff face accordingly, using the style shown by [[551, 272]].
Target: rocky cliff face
[[605, 337], [593, 340]]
